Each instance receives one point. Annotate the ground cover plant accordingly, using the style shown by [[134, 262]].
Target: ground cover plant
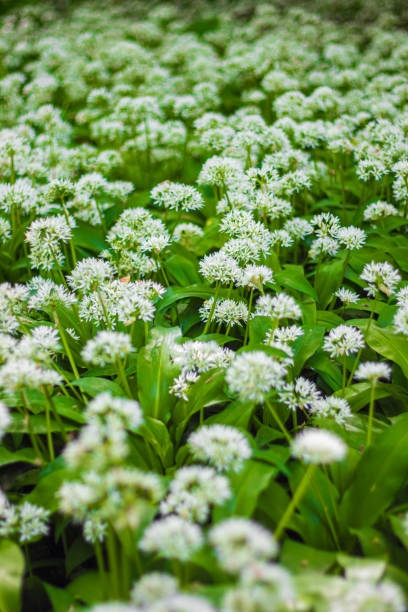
[[203, 310]]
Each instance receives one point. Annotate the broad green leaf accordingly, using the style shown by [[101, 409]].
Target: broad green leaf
[[94, 386], [11, 575], [247, 485], [297, 557], [61, 599], [306, 346], [293, 276], [183, 270], [156, 372], [26, 455], [86, 588], [327, 281], [381, 472], [390, 345]]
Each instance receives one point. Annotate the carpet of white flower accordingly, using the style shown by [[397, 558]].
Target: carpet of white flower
[[203, 310]]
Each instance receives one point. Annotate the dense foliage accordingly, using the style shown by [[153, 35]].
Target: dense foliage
[[204, 311]]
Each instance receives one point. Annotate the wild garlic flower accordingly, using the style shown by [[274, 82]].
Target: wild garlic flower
[[381, 277], [47, 295], [25, 522], [182, 602], [281, 306], [45, 237], [351, 238], [59, 190], [107, 347], [40, 345], [402, 297], [183, 383], [219, 267], [301, 393], [152, 587], [5, 419], [20, 374], [332, 407], [188, 235], [193, 490], [323, 245], [253, 375], [176, 196], [90, 274], [224, 447], [239, 542], [379, 210], [198, 356], [298, 228], [255, 277], [228, 312], [318, 446], [266, 574], [21, 196], [219, 171], [361, 595], [343, 340], [5, 230], [373, 371], [283, 335], [401, 320], [103, 441], [94, 529], [327, 225], [347, 296], [172, 537]]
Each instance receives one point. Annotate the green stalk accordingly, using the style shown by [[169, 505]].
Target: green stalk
[[31, 433], [357, 359], [210, 316], [49, 433], [66, 346], [370, 415], [251, 295], [343, 383], [104, 309], [122, 377], [113, 563], [51, 405], [296, 499], [101, 567], [278, 420]]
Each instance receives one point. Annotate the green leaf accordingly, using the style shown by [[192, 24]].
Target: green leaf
[[156, 372], [60, 599], [78, 552], [297, 557], [26, 455], [327, 281], [11, 575], [390, 345], [247, 486], [45, 493], [293, 276], [86, 588], [94, 386], [306, 346], [381, 472], [183, 270]]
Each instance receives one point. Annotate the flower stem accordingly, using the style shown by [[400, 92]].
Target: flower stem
[[370, 415], [251, 295], [278, 420], [210, 316], [297, 497], [122, 377]]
